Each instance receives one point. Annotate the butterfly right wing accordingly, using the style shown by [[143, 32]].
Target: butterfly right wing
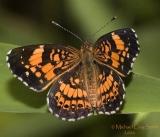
[[118, 50], [110, 89], [38, 66]]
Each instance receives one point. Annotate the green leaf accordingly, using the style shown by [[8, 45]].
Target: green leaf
[[142, 93]]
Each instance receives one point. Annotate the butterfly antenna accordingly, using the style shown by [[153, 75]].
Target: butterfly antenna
[[105, 25], [73, 34]]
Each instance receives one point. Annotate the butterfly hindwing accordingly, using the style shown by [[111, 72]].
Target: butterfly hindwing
[[111, 89], [39, 65], [68, 98], [118, 50]]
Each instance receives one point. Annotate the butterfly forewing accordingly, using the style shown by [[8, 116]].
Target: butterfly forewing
[[40, 65], [118, 50]]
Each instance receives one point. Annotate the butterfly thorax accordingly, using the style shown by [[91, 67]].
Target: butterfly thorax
[[89, 73]]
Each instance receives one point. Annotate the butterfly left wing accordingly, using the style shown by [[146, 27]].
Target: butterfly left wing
[[118, 50], [38, 66], [68, 98]]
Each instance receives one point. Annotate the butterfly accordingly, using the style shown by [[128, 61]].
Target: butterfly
[[83, 81]]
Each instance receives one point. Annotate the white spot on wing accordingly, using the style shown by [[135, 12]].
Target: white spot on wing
[[9, 52], [121, 103], [27, 73], [133, 30], [6, 58], [100, 112], [133, 59], [90, 114], [117, 108], [123, 96], [52, 112], [58, 50], [113, 112], [63, 118], [41, 46], [25, 83], [71, 119], [19, 78], [107, 113], [8, 65], [131, 64]]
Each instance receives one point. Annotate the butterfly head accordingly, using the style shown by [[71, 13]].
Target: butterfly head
[[87, 46]]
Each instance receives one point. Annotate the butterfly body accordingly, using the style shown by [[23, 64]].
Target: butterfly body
[[89, 72], [83, 82]]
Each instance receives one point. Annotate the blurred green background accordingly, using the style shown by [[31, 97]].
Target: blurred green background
[[29, 22]]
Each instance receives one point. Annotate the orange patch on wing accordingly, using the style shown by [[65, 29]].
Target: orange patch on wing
[[56, 57], [119, 43], [115, 63], [115, 56], [50, 75], [36, 61], [111, 77], [38, 74], [62, 86], [77, 81], [80, 94], [26, 66], [75, 94], [109, 82], [38, 50], [33, 69], [47, 67], [35, 56], [104, 88], [66, 89], [70, 92], [106, 85], [57, 95], [101, 89]]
